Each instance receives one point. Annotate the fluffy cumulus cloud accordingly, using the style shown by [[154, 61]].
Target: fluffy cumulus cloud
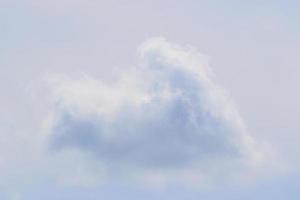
[[166, 119]]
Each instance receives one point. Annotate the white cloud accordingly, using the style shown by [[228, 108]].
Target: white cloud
[[165, 120]]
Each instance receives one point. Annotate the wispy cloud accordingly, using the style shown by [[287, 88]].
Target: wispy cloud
[[166, 119]]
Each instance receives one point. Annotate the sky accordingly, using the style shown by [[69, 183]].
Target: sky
[[149, 99]]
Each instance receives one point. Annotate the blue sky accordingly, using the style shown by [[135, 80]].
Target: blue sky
[[95, 96]]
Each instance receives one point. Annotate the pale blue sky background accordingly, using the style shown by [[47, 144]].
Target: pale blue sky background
[[252, 47]]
